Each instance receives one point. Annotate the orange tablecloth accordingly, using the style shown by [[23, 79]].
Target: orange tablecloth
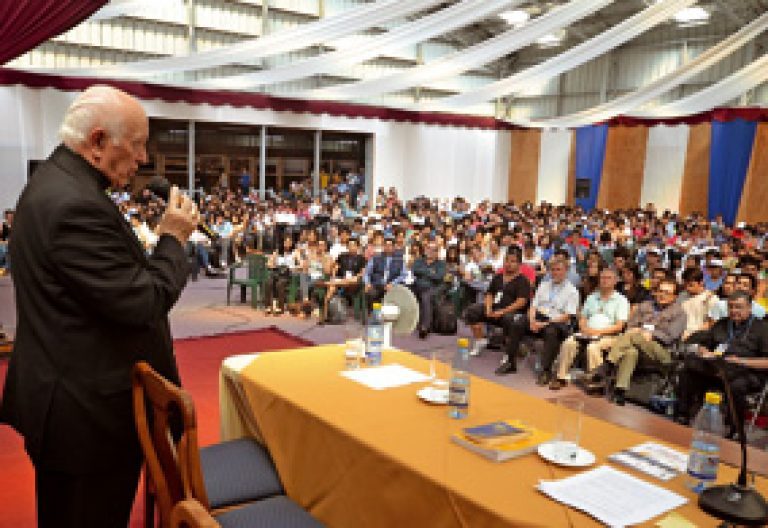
[[356, 457]]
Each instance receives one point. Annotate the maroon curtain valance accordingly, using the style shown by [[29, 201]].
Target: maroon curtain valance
[[26, 23], [718, 114], [141, 90]]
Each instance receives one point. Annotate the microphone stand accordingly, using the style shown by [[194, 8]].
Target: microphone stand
[[735, 503]]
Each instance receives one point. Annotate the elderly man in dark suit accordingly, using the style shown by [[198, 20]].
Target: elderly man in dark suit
[[90, 304]]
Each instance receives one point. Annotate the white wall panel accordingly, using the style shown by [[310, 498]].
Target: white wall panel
[[664, 166], [554, 156]]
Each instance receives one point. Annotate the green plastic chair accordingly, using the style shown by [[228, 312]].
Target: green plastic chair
[[292, 295], [256, 279]]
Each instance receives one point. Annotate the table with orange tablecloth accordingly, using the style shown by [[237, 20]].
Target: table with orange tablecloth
[[357, 457]]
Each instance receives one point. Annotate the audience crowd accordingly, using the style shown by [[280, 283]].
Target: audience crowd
[[607, 290]]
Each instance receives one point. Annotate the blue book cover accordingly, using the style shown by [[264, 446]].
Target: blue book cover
[[491, 431]]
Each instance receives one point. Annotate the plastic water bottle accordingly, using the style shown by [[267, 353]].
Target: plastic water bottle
[[704, 457], [375, 337], [458, 387]]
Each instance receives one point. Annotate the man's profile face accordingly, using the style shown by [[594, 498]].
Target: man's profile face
[[119, 158]]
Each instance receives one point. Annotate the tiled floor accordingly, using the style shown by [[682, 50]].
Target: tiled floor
[[202, 310]]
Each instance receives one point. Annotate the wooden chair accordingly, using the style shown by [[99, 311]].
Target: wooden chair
[[219, 476], [190, 514]]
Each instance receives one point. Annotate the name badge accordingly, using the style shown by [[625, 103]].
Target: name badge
[[543, 310], [348, 274], [721, 348], [497, 299], [649, 327]]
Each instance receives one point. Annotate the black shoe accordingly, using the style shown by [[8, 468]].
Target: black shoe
[[544, 378], [601, 373], [618, 397], [423, 333], [506, 367]]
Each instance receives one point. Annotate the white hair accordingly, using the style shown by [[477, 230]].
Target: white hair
[[95, 107]]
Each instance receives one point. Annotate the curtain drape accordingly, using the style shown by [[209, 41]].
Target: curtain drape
[[663, 84], [345, 23], [466, 59], [664, 166], [573, 57], [26, 23], [730, 152], [420, 30], [553, 166], [590, 154]]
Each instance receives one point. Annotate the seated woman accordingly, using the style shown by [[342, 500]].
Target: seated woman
[[280, 263], [631, 288]]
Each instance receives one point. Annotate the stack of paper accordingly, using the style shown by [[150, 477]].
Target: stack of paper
[[385, 377], [612, 497], [653, 459]]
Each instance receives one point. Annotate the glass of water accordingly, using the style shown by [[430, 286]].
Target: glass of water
[[569, 412], [440, 367]]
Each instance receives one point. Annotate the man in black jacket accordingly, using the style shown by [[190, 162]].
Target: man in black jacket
[[90, 304], [742, 341], [429, 278]]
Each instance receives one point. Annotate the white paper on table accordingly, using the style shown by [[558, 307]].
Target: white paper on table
[[385, 377], [612, 497]]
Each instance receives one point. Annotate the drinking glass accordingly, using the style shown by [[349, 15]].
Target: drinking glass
[[569, 411], [440, 367]]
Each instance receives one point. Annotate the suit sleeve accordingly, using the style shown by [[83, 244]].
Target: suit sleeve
[[90, 255]]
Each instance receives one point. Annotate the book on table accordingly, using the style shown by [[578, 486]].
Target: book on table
[[502, 440]]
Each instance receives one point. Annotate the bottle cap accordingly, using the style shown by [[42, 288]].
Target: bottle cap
[[463, 342], [377, 306], [713, 398]]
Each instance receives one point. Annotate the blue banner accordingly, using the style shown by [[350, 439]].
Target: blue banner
[[729, 157], [590, 153]]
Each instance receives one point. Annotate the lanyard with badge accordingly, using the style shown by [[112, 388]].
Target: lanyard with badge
[[722, 347]]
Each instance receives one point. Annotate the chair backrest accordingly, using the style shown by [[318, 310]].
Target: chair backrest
[[257, 266], [172, 455], [191, 514]]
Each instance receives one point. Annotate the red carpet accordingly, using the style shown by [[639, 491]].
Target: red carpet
[[199, 359]]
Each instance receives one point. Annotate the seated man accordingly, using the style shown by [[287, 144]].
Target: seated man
[[505, 301], [742, 341], [429, 277], [603, 316], [549, 317], [383, 271], [653, 327], [347, 272]]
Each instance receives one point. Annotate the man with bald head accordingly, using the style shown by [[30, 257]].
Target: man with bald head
[[90, 304]]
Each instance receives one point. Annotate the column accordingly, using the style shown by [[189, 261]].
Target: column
[[263, 163], [316, 171], [191, 157]]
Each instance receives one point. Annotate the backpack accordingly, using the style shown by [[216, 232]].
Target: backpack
[[444, 318]]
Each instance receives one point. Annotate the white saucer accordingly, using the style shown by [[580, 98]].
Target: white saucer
[[549, 452], [433, 395]]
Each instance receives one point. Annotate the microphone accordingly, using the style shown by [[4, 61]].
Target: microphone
[[160, 188]]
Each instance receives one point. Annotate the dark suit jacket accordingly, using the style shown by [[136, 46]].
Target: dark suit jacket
[[90, 304]]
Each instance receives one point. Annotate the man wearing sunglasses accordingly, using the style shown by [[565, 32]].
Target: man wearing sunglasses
[[652, 328]]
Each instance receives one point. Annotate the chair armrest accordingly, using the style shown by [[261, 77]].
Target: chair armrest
[[191, 514]]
